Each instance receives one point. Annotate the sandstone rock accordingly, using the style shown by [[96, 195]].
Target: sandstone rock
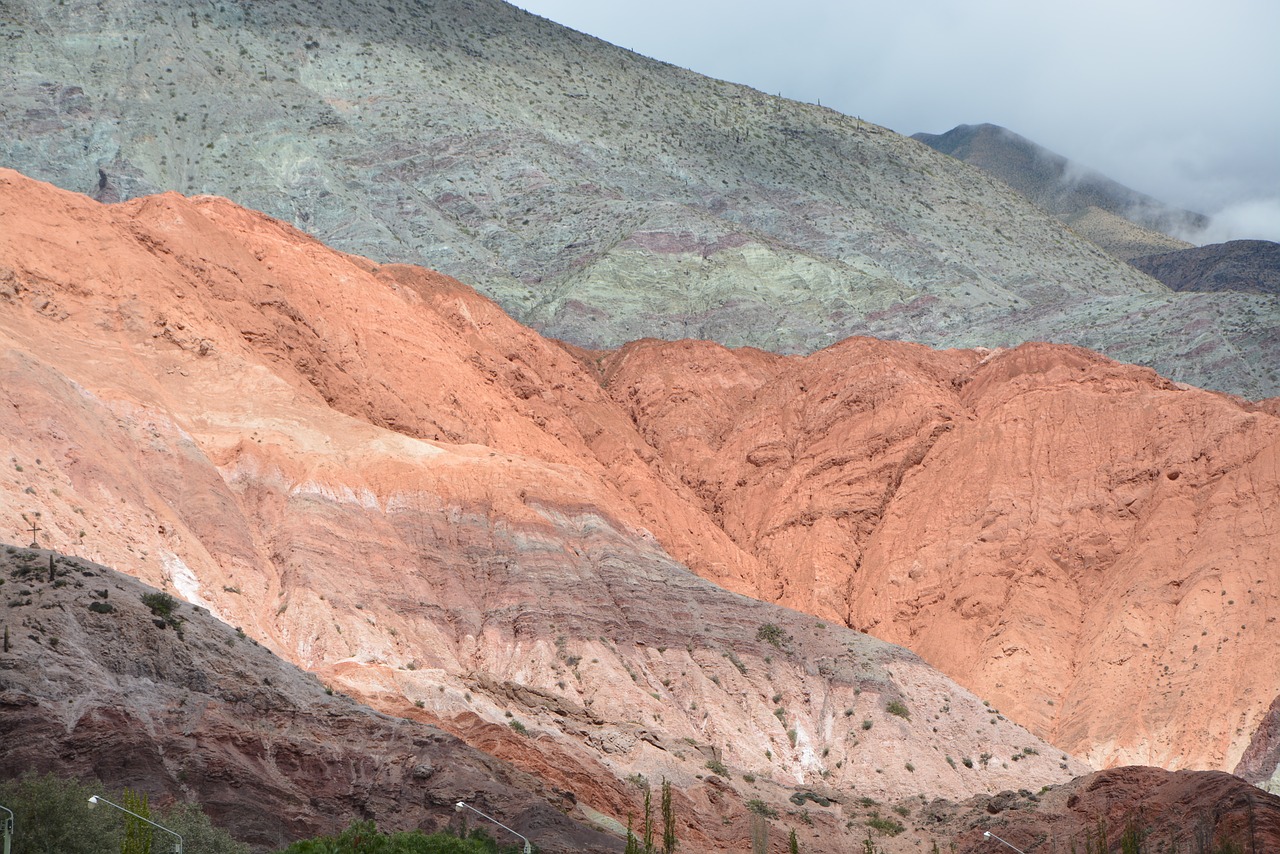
[[381, 477]]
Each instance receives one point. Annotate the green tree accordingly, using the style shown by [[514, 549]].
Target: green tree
[[648, 821], [364, 838], [793, 844], [668, 820], [633, 844], [199, 836], [51, 816], [138, 834]]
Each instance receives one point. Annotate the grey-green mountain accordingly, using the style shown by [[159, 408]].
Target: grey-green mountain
[[598, 195], [1121, 220]]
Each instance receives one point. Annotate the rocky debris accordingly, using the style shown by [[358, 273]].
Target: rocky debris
[[1260, 763], [1238, 265], [471, 137], [186, 707]]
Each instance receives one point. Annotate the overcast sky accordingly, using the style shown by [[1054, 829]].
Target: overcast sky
[[1176, 99]]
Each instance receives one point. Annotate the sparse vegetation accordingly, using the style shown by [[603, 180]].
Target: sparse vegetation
[[887, 826]]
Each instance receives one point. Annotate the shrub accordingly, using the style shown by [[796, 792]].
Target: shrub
[[895, 707], [760, 808], [772, 634], [715, 766], [52, 814], [364, 837], [161, 604], [887, 826]]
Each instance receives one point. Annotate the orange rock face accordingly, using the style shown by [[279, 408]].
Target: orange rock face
[[385, 480], [381, 475], [1088, 546]]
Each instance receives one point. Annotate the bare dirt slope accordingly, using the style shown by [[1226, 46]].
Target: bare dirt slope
[[599, 196], [1238, 265], [387, 481]]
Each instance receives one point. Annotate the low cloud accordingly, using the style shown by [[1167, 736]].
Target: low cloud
[[1256, 219]]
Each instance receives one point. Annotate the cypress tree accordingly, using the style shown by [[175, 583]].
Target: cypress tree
[[668, 820]]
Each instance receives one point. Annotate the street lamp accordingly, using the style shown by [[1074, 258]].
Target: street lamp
[[460, 806], [8, 829], [989, 835], [95, 800]]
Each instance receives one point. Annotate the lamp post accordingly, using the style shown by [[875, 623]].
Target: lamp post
[[8, 829], [989, 835], [460, 806], [96, 799]]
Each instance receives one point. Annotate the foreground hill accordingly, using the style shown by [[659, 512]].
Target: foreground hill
[[107, 679], [384, 479], [382, 476], [1126, 223], [599, 196]]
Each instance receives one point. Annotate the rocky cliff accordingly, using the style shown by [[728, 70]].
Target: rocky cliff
[[599, 196], [1084, 543], [221, 404], [381, 477]]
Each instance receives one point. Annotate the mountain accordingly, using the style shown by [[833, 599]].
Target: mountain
[[388, 482], [1238, 265], [109, 679], [384, 478], [599, 196], [1126, 223]]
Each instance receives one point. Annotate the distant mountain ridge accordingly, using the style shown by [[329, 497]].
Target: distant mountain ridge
[[1237, 265], [599, 196], [1084, 199]]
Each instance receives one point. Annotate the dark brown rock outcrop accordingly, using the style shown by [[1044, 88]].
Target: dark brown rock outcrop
[[97, 684], [1238, 265]]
